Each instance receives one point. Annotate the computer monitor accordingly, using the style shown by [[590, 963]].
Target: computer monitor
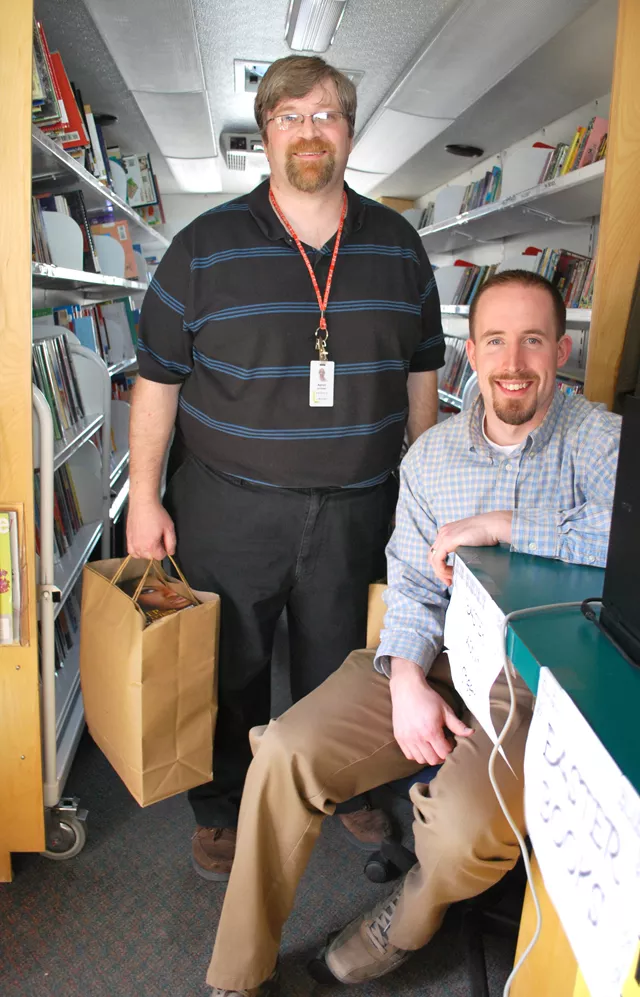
[[620, 615]]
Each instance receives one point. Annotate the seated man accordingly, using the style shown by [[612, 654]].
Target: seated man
[[526, 466]]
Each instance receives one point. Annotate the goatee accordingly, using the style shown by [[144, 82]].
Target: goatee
[[515, 411], [316, 174]]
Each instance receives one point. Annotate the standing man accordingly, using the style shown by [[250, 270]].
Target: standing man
[[290, 336]]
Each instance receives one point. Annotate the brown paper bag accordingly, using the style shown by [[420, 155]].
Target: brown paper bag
[[149, 691], [376, 611]]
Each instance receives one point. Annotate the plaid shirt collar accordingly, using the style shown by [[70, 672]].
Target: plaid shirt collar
[[536, 440]]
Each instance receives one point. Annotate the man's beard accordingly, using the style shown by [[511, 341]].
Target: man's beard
[[515, 411], [316, 174]]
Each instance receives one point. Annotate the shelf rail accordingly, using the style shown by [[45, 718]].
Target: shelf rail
[[54, 776]]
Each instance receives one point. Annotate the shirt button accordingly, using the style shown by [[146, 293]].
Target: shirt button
[[591, 559], [507, 467], [532, 546]]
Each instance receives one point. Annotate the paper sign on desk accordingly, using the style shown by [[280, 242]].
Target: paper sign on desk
[[474, 638], [583, 819]]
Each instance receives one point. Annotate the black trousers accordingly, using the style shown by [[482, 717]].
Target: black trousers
[[263, 549]]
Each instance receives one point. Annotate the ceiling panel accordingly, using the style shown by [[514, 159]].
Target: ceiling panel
[[376, 36], [572, 69]]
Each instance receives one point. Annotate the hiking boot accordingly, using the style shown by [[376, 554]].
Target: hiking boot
[[362, 951], [212, 852], [367, 828], [265, 989]]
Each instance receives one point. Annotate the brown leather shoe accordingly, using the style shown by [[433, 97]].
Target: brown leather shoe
[[213, 849], [367, 828]]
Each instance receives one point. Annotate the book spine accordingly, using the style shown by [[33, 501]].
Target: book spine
[[16, 583], [6, 572]]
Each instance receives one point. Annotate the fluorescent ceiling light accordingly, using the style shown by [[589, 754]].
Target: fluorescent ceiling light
[[392, 139], [197, 176], [312, 24], [362, 182]]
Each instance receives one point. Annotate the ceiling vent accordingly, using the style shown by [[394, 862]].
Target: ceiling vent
[[244, 151]]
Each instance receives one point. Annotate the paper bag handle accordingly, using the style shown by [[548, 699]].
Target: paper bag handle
[[136, 595]]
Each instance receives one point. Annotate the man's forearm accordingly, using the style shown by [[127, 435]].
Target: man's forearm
[[423, 403], [153, 414]]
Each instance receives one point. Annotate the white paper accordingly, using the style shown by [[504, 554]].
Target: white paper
[[474, 638], [583, 817]]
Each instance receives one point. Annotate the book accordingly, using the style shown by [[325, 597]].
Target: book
[[598, 128], [6, 574], [45, 106], [78, 211], [573, 148], [100, 169], [141, 189], [16, 584], [73, 131]]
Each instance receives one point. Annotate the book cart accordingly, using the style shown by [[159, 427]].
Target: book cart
[[41, 705]]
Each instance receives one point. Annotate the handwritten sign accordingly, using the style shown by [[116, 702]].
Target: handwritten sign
[[583, 818], [473, 636]]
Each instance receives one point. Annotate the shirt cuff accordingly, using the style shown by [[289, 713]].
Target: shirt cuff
[[536, 531], [405, 645]]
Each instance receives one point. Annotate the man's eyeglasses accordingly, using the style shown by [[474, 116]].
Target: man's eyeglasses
[[322, 119]]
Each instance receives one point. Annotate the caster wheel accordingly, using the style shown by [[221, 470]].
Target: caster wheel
[[317, 967], [380, 870], [65, 839]]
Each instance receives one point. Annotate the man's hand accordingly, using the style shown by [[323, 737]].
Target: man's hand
[[485, 530], [420, 715], [150, 530]]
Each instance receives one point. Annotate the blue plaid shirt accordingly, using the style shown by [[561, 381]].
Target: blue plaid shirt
[[559, 483]]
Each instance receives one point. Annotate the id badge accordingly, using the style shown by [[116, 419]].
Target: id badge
[[321, 377]]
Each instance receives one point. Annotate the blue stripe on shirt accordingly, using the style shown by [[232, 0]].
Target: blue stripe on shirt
[[328, 433], [428, 289], [253, 252], [428, 343], [203, 262], [177, 368], [228, 206], [301, 307], [302, 370], [166, 298]]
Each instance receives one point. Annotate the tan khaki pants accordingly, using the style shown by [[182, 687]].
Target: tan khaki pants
[[332, 745]]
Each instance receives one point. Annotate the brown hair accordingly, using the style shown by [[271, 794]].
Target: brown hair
[[525, 279], [295, 76]]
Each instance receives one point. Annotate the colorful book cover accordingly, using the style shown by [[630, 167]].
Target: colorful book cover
[[6, 573], [599, 128], [73, 125], [15, 573]]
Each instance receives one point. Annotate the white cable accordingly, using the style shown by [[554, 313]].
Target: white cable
[[516, 614]]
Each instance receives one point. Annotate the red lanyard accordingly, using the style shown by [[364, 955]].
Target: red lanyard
[[321, 340]]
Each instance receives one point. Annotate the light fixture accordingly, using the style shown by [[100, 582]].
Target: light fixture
[[312, 24], [461, 149], [197, 176]]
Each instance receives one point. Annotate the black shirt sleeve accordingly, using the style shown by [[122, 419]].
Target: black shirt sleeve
[[164, 342], [429, 355]]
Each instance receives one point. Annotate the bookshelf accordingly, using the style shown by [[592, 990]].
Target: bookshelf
[[42, 711], [567, 198], [54, 170], [575, 316], [95, 285]]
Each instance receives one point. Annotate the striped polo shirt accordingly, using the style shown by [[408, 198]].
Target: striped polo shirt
[[231, 316]]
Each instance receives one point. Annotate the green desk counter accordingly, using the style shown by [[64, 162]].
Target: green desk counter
[[602, 684]]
